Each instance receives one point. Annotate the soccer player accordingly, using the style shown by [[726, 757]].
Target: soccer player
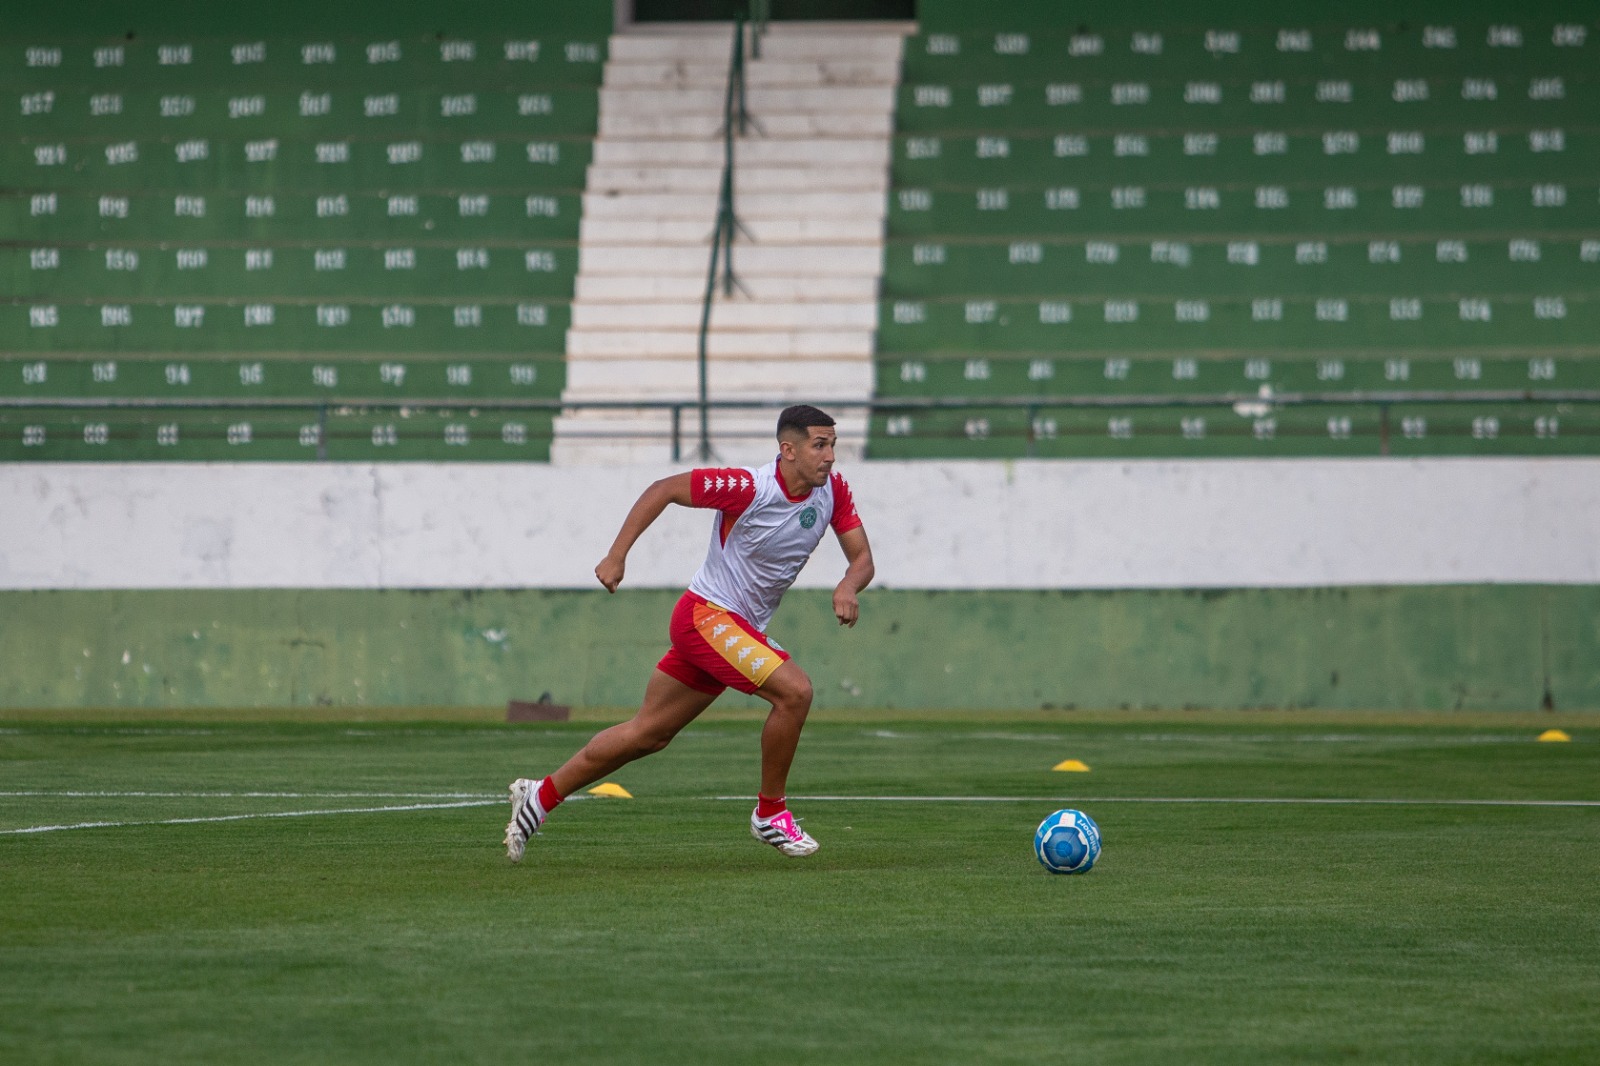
[[768, 522]]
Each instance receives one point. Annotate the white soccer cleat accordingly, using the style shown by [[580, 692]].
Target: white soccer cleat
[[782, 833], [526, 816]]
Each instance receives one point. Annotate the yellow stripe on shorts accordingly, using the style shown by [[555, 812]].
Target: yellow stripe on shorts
[[743, 652]]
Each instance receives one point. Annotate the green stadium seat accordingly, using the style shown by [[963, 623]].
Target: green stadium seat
[[302, 433], [361, 233], [1315, 221]]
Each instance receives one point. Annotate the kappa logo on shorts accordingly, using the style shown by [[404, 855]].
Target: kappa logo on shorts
[[737, 646], [808, 518]]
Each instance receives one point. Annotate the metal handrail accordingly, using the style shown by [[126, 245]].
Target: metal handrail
[[1032, 406], [734, 112], [876, 404], [760, 15]]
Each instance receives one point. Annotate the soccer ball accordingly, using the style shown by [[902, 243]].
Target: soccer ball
[[1067, 842]]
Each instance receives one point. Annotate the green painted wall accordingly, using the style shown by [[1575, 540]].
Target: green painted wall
[[1439, 647]]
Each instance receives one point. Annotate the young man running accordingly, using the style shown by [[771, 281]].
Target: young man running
[[768, 523]]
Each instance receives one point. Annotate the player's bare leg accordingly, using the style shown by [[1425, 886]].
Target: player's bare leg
[[789, 692], [669, 705]]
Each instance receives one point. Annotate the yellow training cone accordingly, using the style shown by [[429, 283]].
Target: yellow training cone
[[611, 789], [1072, 766], [1554, 735]]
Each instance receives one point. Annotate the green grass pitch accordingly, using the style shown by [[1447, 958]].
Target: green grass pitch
[[655, 931]]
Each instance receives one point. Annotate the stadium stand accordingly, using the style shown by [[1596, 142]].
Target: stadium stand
[[1154, 232], [289, 247], [1244, 239], [811, 178]]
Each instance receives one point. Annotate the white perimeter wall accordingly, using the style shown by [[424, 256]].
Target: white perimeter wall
[[1145, 524]]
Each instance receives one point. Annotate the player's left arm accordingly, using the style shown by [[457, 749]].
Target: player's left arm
[[857, 575]]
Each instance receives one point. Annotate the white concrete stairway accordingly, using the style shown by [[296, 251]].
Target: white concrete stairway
[[810, 187]]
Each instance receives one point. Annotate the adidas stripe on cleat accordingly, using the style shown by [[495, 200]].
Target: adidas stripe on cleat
[[526, 816], [783, 833]]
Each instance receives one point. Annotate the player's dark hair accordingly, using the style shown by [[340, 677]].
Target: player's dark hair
[[800, 418]]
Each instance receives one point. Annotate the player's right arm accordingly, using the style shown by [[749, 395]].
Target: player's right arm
[[675, 489]]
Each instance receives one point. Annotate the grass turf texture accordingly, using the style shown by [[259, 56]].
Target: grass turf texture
[[655, 930]]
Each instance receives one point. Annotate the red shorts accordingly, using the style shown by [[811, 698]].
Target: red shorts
[[714, 649]]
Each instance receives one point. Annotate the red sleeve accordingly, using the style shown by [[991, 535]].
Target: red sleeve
[[844, 506], [729, 490]]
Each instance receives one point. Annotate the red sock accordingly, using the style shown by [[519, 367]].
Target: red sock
[[767, 808], [549, 798]]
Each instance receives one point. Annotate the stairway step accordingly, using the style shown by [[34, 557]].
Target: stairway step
[[647, 229], [709, 126], [726, 317], [865, 204], [780, 261], [728, 379], [633, 288], [611, 344], [758, 101], [682, 74], [715, 45], [748, 179], [747, 153]]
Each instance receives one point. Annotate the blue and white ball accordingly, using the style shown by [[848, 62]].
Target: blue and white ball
[[1067, 842]]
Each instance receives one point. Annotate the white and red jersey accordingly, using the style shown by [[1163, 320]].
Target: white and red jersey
[[762, 536]]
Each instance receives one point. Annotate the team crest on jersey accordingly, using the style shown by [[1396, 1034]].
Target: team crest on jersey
[[808, 518]]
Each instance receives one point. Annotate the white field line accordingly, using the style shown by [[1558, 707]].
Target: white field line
[[246, 795], [1091, 736], [247, 817], [1332, 801]]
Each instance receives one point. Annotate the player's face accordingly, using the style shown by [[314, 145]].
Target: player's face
[[813, 456]]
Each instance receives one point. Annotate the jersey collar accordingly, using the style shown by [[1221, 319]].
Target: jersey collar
[[777, 475]]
